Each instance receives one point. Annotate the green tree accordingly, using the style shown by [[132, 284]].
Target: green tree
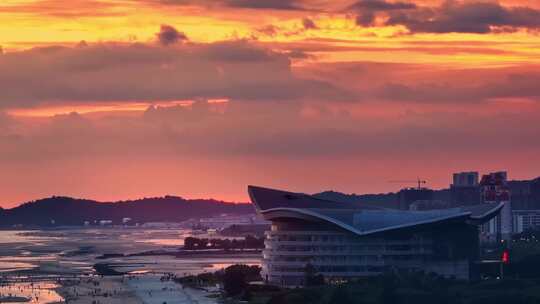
[[236, 278], [340, 295], [311, 277], [388, 292]]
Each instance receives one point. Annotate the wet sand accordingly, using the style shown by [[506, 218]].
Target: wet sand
[[99, 290], [29, 292], [148, 289], [14, 299], [65, 258]]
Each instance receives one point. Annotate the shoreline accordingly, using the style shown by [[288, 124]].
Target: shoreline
[[14, 299], [96, 290], [183, 253], [132, 289], [63, 267]]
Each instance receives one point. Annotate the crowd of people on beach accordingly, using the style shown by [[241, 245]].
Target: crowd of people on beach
[[23, 290], [96, 289]]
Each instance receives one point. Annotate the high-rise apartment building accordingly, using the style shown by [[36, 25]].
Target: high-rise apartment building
[[494, 189]]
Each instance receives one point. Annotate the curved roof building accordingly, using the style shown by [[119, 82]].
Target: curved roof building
[[343, 241]]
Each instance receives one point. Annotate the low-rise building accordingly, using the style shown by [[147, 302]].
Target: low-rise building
[[524, 220]]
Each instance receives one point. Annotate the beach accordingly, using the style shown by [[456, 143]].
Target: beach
[[57, 266], [128, 289], [132, 290]]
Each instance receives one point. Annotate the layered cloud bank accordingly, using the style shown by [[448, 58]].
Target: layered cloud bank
[[145, 72], [450, 16], [296, 94]]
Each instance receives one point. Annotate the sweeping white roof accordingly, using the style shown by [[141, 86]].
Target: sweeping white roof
[[361, 219]]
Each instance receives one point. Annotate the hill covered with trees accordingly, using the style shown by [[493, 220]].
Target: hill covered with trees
[[70, 211]]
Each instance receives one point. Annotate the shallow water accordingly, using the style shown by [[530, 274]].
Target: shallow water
[[19, 238], [8, 266], [50, 254], [74, 251], [164, 242]]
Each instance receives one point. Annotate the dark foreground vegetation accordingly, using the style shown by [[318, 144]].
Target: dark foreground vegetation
[[520, 285], [234, 279], [411, 288], [105, 269], [391, 288]]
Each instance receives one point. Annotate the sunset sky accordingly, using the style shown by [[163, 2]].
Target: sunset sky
[[122, 99]]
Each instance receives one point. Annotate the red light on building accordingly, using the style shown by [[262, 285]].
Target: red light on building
[[505, 258]]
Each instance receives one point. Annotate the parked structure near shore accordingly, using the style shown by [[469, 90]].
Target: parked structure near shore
[[342, 241]]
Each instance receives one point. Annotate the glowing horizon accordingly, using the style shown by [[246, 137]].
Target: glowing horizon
[[126, 99]]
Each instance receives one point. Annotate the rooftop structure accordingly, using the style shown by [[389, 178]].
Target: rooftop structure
[[494, 189], [465, 179], [342, 241], [407, 196], [465, 189]]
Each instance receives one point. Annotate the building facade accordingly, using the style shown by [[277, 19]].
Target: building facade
[[494, 189], [465, 179], [524, 220], [465, 189], [406, 197], [343, 242]]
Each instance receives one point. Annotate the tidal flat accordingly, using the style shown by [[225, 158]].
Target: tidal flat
[[57, 266]]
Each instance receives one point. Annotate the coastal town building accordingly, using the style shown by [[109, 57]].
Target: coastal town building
[[342, 241], [525, 220], [494, 190]]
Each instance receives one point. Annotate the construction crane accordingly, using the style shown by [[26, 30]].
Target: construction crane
[[418, 181]]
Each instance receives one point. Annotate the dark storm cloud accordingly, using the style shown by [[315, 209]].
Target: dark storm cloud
[[128, 72], [269, 30], [264, 4], [451, 16], [309, 24], [381, 5], [367, 10], [466, 17], [251, 4], [169, 35]]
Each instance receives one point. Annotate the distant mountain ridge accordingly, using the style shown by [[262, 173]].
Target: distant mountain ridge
[[385, 200], [71, 211], [524, 194]]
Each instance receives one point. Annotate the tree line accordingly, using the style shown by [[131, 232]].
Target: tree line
[[249, 242]]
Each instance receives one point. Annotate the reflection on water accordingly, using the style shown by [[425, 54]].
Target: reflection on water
[[11, 237], [7, 266], [39, 292], [73, 252], [139, 272], [164, 242], [219, 266], [23, 262]]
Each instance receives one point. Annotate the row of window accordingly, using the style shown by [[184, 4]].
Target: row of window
[[350, 248], [334, 268], [332, 258], [340, 239], [344, 258]]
